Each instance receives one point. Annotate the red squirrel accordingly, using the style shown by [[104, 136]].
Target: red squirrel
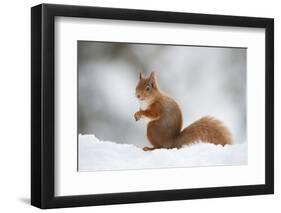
[[164, 129]]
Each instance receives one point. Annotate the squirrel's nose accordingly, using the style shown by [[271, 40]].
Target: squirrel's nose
[[138, 96]]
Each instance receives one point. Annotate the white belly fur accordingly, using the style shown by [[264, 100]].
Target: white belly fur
[[144, 106]]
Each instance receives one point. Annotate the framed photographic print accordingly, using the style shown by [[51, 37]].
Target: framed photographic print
[[139, 106]]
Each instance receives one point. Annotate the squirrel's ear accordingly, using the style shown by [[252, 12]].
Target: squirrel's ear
[[152, 79], [141, 76], [152, 76]]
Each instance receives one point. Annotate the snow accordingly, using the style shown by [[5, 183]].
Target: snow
[[97, 155]]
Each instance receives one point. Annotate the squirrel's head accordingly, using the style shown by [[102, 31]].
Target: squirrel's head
[[146, 87]]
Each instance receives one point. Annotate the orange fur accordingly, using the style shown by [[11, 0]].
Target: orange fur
[[164, 128], [206, 129]]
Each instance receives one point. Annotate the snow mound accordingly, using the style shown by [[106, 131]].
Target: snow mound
[[96, 155]]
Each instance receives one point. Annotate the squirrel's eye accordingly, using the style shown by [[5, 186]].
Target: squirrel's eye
[[147, 88]]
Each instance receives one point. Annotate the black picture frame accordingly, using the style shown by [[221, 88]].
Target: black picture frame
[[43, 102]]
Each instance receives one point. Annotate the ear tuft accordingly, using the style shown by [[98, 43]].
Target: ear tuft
[[140, 76], [152, 76], [152, 79]]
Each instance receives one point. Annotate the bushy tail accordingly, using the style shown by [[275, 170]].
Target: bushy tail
[[207, 129]]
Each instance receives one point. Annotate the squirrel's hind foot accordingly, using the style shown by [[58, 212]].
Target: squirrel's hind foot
[[146, 148]]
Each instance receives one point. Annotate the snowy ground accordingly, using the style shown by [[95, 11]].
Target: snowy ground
[[96, 155]]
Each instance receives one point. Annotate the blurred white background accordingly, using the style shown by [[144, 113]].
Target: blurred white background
[[15, 106], [203, 80]]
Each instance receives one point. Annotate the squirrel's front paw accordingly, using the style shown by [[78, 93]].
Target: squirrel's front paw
[[137, 115]]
